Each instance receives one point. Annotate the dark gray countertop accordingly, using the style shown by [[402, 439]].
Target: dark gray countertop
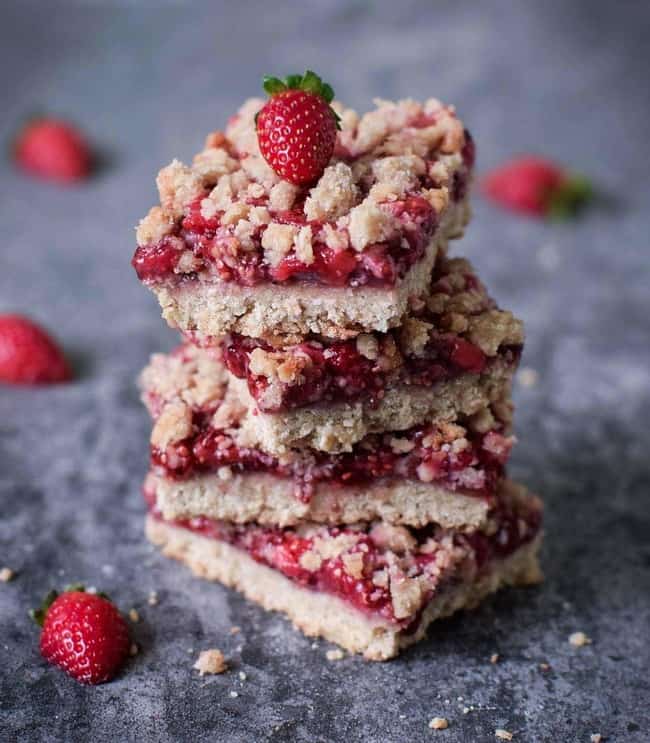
[[148, 80]]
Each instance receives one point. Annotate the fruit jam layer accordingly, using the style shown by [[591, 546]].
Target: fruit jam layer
[[448, 455], [318, 370], [218, 234], [384, 571]]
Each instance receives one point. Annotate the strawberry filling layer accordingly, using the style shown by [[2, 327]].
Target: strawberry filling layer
[[447, 455], [367, 568]]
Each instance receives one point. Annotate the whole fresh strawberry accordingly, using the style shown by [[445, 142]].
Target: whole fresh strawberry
[[53, 149], [84, 634], [536, 186], [296, 128], [28, 355]]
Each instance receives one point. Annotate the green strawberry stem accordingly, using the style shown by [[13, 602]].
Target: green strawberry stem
[[310, 82], [570, 198], [38, 614]]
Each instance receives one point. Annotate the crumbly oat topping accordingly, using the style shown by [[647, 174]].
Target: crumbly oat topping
[[334, 195], [495, 328], [277, 241], [353, 564], [157, 224], [173, 424], [439, 723], [211, 661], [370, 224]]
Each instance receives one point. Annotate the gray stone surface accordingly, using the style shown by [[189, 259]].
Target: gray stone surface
[[147, 81]]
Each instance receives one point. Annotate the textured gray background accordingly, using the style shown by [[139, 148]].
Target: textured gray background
[[147, 81]]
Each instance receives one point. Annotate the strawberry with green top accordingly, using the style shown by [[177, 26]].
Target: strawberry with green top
[[536, 186], [83, 633], [296, 128]]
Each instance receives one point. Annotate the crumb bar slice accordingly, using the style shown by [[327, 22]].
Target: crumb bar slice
[[373, 589], [233, 248]]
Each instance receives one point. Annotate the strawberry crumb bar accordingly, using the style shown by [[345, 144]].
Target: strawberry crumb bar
[[233, 248], [374, 588], [206, 454]]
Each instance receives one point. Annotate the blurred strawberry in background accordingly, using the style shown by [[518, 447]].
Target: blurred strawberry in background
[[537, 187], [53, 149], [28, 355]]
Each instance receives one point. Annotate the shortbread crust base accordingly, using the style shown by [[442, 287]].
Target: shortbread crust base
[[270, 501], [214, 309], [324, 615]]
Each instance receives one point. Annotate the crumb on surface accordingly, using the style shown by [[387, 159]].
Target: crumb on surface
[[242, 676], [494, 658], [544, 667], [234, 694], [235, 630], [439, 723], [133, 650], [503, 734], [578, 639], [210, 661], [153, 598], [527, 377], [596, 738], [6, 574], [336, 654], [134, 616]]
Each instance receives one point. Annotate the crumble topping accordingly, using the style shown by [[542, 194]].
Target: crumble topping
[[368, 346], [495, 328], [157, 224], [414, 336], [353, 564], [277, 241], [210, 661], [334, 195], [173, 424], [370, 224], [178, 185]]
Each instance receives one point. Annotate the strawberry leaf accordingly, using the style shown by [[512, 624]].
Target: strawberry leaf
[[38, 615], [570, 198], [273, 85]]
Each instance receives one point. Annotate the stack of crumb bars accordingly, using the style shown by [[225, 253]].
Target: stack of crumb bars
[[331, 436]]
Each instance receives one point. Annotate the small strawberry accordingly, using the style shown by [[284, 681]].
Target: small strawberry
[[536, 186], [53, 149], [28, 355], [83, 633], [296, 128]]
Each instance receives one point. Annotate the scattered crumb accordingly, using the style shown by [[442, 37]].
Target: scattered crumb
[[314, 645], [242, 676], [133, 615], [153, 598], [6, 574], [210, 661], [235, 630], [578, 639], [335, 654], [133, 650], [466, 710], [494, 658], [596, 738], [439, 723], [502, 734], [234, 694], [544, 667], [527, 377]]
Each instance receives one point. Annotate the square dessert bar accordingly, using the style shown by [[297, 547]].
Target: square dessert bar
[[456, 351], [233, 248], [372, 588], [207, 459]]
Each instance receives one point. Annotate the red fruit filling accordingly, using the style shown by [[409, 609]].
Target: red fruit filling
[[464, 554], [449, 455]]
